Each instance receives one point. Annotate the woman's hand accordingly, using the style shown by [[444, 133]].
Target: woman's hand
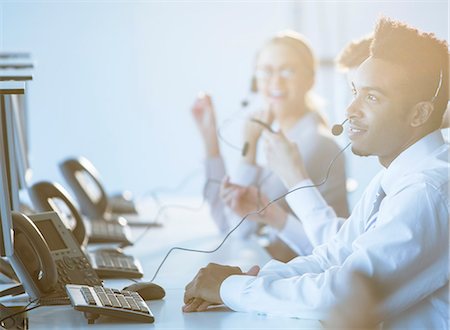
[[203, 114], [252, 133], [253, 130], [284, 159], [247, 200]]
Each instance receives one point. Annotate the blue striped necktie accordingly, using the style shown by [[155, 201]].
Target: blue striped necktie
[[376, 206]]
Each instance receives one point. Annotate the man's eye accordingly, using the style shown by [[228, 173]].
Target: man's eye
[[372, 98]]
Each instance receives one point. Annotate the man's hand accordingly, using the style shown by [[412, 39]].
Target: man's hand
[[284, 159], [204, 290]]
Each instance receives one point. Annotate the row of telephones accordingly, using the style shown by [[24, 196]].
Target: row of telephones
[[50, 249]]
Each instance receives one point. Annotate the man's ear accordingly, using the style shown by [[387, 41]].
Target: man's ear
[[421, 113]]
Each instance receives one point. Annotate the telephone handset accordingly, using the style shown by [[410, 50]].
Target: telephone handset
[[44, 196], [84, 180], [46, 257], [31, 259], [107, 263]]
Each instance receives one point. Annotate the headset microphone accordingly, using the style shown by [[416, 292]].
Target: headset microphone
[[338, 128], [263, 124], [244, 149]]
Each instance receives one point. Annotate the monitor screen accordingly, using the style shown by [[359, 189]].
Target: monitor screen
[[10, 152], [20, 145]]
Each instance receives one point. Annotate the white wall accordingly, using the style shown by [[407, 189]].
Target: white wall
[[114, 81]]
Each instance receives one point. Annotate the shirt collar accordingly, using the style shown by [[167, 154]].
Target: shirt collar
[[408, 160]]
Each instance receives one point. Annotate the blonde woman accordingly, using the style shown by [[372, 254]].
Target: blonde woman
[[284, 75]]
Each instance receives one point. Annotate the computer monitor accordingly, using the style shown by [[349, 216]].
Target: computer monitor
[[6, 203], [9, 55], [21, 149], [10, 153]]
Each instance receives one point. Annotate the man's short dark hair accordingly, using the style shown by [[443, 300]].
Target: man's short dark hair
[[422, 55]]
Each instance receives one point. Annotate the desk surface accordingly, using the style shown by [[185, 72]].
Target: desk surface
[[186, 229]]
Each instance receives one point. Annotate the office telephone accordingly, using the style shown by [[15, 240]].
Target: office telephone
[[46, 257], [48, 196], [96, 301], [84, 180], [7, 274], [108, 263], [122, 203]]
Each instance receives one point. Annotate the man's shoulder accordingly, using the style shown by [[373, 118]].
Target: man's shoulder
[[432, 173]]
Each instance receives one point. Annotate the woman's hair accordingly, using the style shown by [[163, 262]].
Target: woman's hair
[[354, 53], [300, 45]]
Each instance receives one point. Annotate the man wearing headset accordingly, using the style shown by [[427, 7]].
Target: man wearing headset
[[398, 233], [357, 52]]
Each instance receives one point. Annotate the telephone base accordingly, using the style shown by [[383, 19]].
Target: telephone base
[[13, 291], [52, 301], [16, 322]]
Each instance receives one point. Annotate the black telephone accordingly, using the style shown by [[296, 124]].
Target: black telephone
[[108, 263], [45, 195], [84, 180], [46, 257], [7, 272]]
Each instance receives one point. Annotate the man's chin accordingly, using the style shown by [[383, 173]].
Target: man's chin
[[359, 151]]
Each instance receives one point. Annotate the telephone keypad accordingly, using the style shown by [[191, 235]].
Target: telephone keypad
[[96, 300], [84, 275]]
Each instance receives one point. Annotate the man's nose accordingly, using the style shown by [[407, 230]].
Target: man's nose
[[354, 109]]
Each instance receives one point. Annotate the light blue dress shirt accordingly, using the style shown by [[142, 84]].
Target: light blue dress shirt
[[406, 250]]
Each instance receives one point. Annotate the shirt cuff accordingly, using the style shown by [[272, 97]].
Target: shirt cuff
[[232, 289], [295, 237], [215, 168], [245, 175], [305, 201]]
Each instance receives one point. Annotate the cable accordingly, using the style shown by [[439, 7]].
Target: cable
[[183, 182], [227, 122], [133, 280], [170, 206], [190, 208], [258, 212], [26, 309]]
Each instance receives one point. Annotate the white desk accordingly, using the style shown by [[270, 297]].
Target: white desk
[[185, 229]]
